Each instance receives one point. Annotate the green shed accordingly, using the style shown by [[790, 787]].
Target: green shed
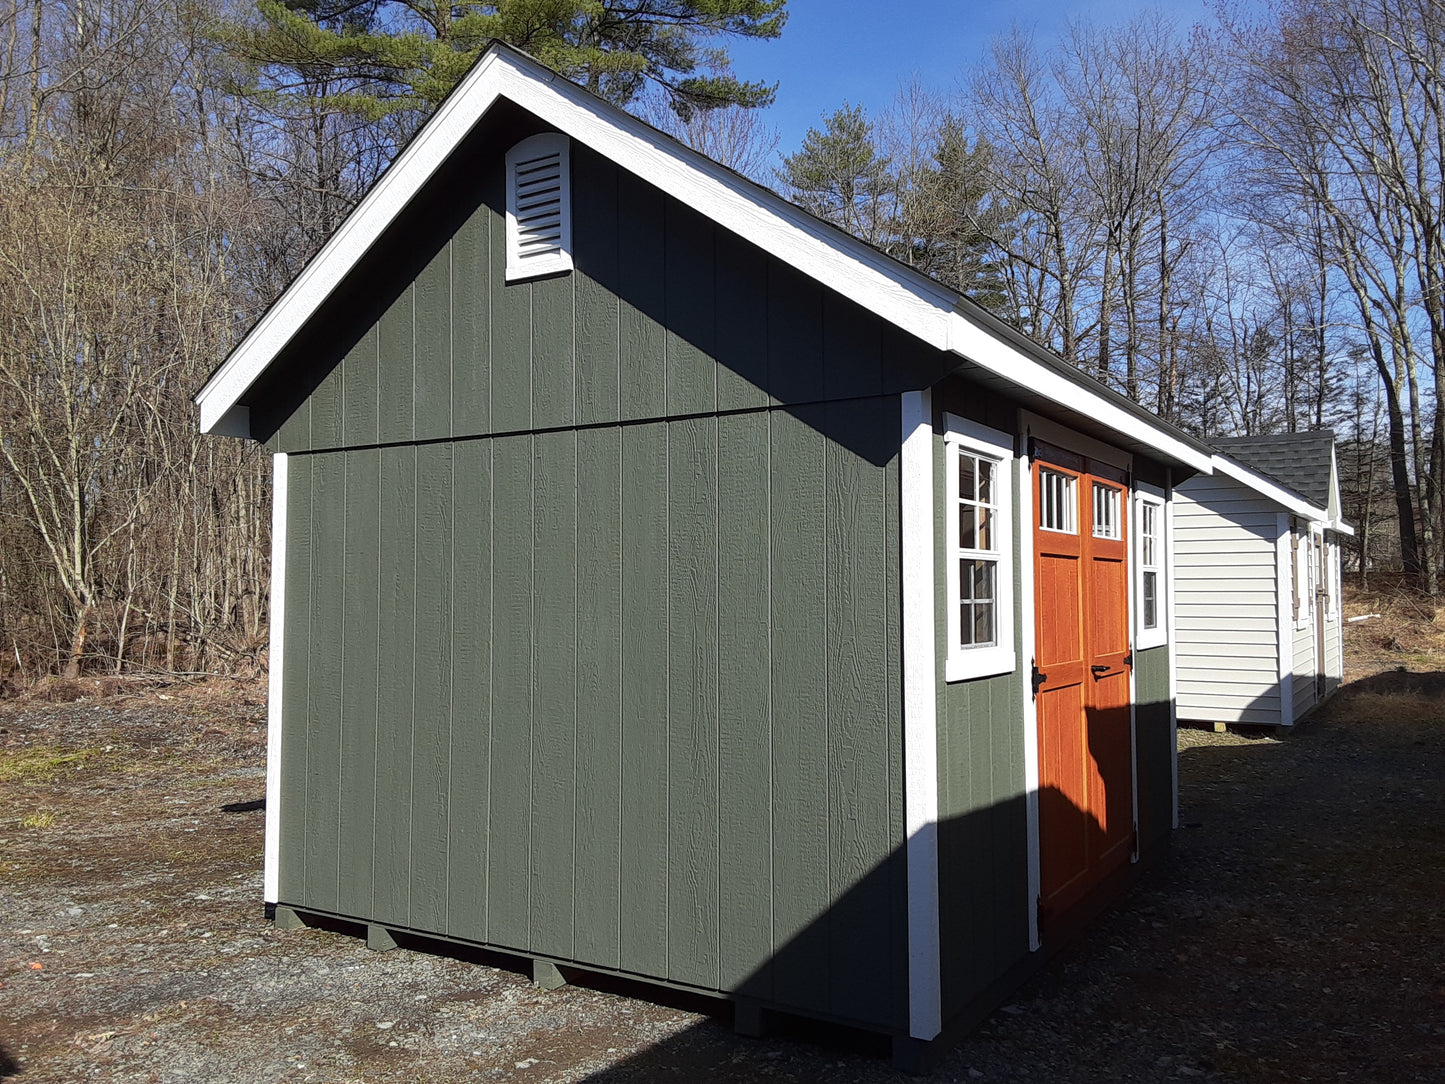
[[667, 584]]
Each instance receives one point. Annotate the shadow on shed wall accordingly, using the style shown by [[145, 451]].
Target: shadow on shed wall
[[707, 323]]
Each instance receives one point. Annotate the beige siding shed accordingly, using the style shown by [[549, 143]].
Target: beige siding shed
[[1257, 581]]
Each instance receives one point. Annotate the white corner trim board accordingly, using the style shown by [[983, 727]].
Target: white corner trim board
[[920, 716], [1173, 651], [271, 875], [1028, 639]]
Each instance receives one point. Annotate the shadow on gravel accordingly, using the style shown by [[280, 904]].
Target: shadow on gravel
[[8, 1066], [710, 1051], [244, 807], [1295, 929]]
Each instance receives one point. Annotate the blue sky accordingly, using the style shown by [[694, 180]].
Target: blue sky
[[834, 51]]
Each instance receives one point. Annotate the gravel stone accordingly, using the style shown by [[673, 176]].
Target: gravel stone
[[1294, 932]]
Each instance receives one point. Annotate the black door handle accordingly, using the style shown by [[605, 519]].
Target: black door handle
[[1098, 669]]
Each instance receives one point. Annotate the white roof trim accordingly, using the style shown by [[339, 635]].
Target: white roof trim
[[986, 350], [1273, 490], [912, 302]]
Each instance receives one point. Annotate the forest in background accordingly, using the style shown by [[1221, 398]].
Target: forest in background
[[1236, 224]]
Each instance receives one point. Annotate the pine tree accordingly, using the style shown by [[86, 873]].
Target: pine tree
[[954, 220], [379, 57], [839, 175]]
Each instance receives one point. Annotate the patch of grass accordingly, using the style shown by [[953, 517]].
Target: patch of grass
[[44, 819], [40, 765]]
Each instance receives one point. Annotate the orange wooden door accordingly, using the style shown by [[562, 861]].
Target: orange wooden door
[[1081, 674]]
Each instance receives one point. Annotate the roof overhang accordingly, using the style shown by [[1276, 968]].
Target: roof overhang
[[924, 308], [1282, 495]]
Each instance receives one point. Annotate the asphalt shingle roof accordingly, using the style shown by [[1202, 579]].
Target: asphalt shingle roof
[[1300, 461]]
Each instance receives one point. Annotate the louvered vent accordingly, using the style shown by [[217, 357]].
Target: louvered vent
[[539, 211]]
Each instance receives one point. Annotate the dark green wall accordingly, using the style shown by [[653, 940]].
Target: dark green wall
[[625, 695], [593, 623], [982, 833], [1154, 745], [665, 315]]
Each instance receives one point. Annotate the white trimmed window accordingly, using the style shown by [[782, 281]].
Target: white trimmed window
[[539, 207], [1303, 575], [1151, 598], [978, 514]]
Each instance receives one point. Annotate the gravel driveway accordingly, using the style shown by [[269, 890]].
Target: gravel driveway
[[1296, 932]]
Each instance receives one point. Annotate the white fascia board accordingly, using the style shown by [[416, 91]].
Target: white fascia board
[[842, 263], [984, 349], [361, 229], [1275, 492]]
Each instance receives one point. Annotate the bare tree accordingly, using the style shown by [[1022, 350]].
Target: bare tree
[[118, 222], [1342, 108]]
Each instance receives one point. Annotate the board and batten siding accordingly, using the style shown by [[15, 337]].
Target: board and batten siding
[[593, 650], [1226, 616]]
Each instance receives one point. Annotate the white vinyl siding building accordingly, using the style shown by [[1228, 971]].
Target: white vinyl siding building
[[1257, 583], [1226, 606]]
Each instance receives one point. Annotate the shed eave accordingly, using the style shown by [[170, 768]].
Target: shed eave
[[913, 302], [996, 347], [1285, 498]]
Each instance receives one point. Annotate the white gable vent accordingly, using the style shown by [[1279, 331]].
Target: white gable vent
[[539, 207]]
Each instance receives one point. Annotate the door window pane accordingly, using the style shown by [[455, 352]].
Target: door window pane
[[1058, 494], [1108, 517]]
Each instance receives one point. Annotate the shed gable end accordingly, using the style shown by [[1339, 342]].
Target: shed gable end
[[664, 314]]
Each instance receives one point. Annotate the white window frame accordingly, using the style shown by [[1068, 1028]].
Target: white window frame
[[1144, 638], [1303, 575], [1333, 586], [518, 267], [1070, 497], [965, 663]]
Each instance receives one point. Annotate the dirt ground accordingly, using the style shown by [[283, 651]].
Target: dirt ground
[[1295, 932]]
